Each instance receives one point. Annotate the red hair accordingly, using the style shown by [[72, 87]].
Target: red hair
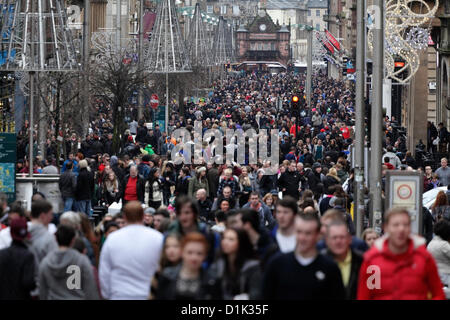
[[441, 200], [195, 237]]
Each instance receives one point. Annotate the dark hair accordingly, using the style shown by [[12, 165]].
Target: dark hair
[[185, 200], [311, 216], [220, 216], [290, 203], [118, 216], [245, 249], [69, 165], [79, 245], [16, 207], [163, 212], [37, 193], [109, 225], [339, 202], [224, 200], [40, 206], [64, 235], [251, 216], [307, 202], [386, 159], [442, 229], [186, 171]]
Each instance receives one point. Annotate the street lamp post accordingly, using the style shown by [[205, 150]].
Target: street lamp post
[[141, 59], [359, 121], [376, 118], [309, 66]]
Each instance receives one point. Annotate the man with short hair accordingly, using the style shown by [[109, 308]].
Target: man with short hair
[[161, 218], [204, 205], [349, 261], [49, 167], [443, 172], [227, 195], [266, 219], [284, 232], [326, 219], [41, 242], [407, 270], [125, 272], [132, 187], [59, 267], [259, 236], [68, 186], [303, 274], [289, 181]]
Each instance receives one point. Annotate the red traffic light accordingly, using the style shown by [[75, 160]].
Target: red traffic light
[[294, 99]]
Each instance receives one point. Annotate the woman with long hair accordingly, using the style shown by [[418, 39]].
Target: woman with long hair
[[439, 207], [170, 257], [238, 267], [245, 186], [169, 178], [188, 280], [153, 196], [269, 201], [110, 188]]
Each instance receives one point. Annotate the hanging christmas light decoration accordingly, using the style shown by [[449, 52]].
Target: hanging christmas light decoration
[[406, 34]]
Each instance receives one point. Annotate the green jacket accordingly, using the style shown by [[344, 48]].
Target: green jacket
[[195, 184]]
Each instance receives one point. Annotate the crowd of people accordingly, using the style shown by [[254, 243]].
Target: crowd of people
[[229, 230]]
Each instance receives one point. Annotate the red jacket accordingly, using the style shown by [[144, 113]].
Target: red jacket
[[411, 275]]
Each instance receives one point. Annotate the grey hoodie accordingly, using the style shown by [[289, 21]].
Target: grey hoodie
[[58, 274], [40, 244]]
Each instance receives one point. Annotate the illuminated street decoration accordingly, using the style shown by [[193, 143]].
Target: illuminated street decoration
[[406, 34]]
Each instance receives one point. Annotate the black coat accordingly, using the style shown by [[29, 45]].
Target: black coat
[[247, 280], [210, 288], [182, 186], [17, 272], [85, 185], [140, 188], [328, 182], [290, 181], [315, 184], [352, 286], [67, 184]]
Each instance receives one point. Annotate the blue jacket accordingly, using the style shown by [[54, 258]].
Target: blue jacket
[[264, 215]]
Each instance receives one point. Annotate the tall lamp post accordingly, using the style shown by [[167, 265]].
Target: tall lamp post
[[376, 117], [359, 121]]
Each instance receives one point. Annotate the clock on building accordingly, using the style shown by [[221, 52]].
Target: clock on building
[[262, 27]]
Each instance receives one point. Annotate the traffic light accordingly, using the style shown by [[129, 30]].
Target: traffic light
[[295, 108]]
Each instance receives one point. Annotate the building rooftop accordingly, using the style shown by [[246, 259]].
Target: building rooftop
[[318, 4], [283, 28], [285, 4]]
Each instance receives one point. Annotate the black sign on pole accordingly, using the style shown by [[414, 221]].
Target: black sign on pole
[[8, 155]]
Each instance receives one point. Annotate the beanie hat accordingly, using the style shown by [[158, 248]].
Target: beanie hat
[[316, 165]]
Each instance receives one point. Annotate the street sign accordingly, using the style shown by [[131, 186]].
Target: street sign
[[154, 101], [8, 145], [405, 189]]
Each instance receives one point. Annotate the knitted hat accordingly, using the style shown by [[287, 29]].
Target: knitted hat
[[316, 165]]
